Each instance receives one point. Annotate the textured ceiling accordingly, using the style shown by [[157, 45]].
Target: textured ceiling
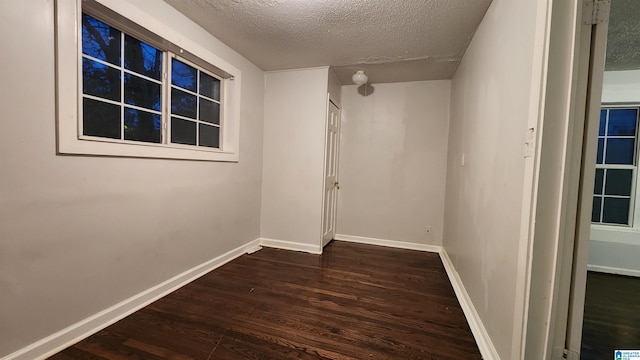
[[623, 43], [393, 40]]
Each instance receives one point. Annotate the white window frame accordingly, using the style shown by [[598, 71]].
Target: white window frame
[[69, 88], [634, 205]]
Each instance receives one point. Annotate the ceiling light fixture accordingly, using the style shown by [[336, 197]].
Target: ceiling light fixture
[[360, 78]]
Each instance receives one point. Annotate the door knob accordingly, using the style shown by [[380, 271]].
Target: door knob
[[336, 184]]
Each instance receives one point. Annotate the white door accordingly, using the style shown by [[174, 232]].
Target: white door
[[331, 186]]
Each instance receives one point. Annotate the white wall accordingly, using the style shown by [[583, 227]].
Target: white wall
[[616, 249], [393, 150], [79, 234], [295, 106], [621, 86], [615, 252], [492, 92]]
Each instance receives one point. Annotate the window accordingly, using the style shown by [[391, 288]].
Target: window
[[195, 106], [138, 93], [616, 166], [121, 85]]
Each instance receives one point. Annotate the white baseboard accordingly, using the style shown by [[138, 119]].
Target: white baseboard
[[388, 243], [290, 245], [614, 270], [487, 350], [80, 330]]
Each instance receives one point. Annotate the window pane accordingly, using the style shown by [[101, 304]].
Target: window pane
[[100, 119], [603, 122], [142, 58], [209, 86], [622, 122], [183, 103], [100, 40], [599, 157], [183, 75], [597, 188], [209, 136], [618, 182], [620, 151], [595, 212], [141, 126], [100, 80], [209, 111], [141, 92], [616, 211], [183, 131]]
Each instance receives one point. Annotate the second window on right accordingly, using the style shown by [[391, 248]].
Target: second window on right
[[616, 166]]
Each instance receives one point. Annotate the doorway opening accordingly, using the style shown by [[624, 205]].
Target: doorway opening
[[331, 185], [611, 311]]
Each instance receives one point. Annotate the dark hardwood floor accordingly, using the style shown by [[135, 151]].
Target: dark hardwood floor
[[353, 302], [611, 315]]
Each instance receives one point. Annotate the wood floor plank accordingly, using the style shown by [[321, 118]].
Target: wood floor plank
[[611, 315], [109, 346], [354, 301], [188, 339], [75, 353]]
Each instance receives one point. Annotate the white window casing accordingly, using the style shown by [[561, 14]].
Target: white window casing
[[138, 23]]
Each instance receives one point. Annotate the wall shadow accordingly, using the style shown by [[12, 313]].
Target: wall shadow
[[366, 89]]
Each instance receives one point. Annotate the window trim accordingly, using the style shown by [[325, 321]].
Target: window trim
[[69, 84], [634, 197]]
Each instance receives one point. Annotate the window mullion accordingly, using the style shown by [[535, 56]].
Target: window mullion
[[635, 218], [605, 138], [633, 206], [122, 102], [197, 107], [604, 195], [166, 98]]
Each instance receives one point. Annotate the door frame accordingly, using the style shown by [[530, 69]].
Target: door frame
[[565, 174], [577, 285]]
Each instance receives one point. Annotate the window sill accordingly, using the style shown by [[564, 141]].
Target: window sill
[[613, 227], [74, 146], [616, 234]]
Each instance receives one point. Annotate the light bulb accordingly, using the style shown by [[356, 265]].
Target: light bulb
[[360, 78]]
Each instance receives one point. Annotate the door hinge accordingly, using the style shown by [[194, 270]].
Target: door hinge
[[570, 354], [529, 143], [562, 354], [595, 11]]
